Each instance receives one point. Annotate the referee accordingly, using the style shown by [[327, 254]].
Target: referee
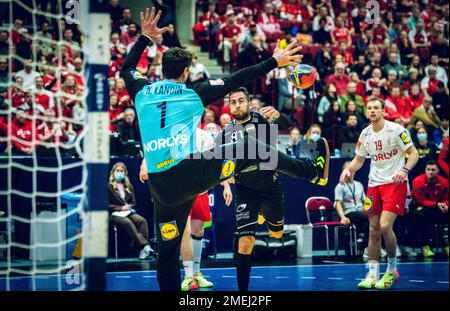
[[169, 113]]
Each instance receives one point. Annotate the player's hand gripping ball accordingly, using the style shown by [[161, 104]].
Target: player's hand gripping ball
[[302, 76]]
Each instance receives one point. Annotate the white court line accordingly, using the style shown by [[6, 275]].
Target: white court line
[[149, 276], [256, 277], [309, 277], [417, 281], [335, 262], [335, 278], [122, 276], [228, 276], [282, 277], [442, 282], [359, 279]]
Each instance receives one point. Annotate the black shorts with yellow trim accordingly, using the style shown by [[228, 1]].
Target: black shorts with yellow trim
[[250, 203]]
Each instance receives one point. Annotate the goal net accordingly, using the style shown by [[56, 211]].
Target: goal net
[[54, 147]]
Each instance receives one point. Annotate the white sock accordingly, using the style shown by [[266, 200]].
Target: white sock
[[392, 264], [373, 269], [188, 266], [197, 246]]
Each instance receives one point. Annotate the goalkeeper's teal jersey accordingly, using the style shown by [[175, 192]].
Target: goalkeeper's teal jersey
[[169, 114]]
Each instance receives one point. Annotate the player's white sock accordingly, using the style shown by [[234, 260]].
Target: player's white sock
[[197, 247], [373, 269], [188, 266], [392, 264]]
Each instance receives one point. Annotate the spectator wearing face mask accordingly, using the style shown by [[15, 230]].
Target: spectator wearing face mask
[[121, 207], [313, 134], [427, 149]]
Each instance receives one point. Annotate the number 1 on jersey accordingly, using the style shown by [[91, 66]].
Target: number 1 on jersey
[[163, 107]]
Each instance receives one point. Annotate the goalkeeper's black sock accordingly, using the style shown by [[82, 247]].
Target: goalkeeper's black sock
[[243, 268]]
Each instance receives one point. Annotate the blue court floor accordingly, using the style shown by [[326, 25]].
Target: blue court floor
[[414, 276]]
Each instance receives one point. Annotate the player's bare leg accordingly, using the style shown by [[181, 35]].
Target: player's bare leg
[[374, 247], [386, 226]]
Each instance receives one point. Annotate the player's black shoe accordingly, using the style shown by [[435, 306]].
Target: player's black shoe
[[321, 160]]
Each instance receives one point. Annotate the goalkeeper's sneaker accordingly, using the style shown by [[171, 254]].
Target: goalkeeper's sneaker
[[367, 283], [388, 279], [201, 281], [321, 160], [261, 219], [189, 283]]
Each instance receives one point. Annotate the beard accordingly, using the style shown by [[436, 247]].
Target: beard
[[242, 116]]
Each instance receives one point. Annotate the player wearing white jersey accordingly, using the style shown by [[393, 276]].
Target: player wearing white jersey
[[387, 144]]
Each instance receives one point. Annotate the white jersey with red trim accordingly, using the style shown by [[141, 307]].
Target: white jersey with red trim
[[386, 149]]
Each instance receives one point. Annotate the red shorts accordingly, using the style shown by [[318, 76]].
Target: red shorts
[[200, 208], [390, 197]]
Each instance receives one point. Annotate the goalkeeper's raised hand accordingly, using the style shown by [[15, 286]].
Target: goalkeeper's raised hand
[[149, 24]]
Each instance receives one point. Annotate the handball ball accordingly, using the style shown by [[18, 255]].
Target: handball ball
[[302, 76]]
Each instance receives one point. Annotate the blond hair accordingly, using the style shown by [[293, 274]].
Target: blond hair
[[126, 181]]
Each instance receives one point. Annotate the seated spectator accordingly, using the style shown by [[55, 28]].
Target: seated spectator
[[268, 21], [4, 42], [28, 74], [128, 128], [415, 97], [405, 48], [426, 114], [43, 97], [115, 112], [375, 61], [157, 48], [4, 75], [430, 197], [197, 71], [441, 73], [376, 80], [413, 78], [253, 29], [224, 119], [361, 67], [347, 57], [121, 208], [321, 35], [324, 60], [291, 11], [351, 109], [122, 94], [208, 117], [360, 86], [339, 78], [304, 36], [289, 97], [443, 158], [419, 37], [349, 133], [429, 83], [397, 107], [380, 33], [363, 43], [440, 48], [130, 35], [293, 149], [52, 134], [253, 54], [229, 35], [351, 96], [313, 134], [16, 97], [439, 133], [340, 33], [326, 100], [287, 39], [170, 38], [417, 64], [332, 121], [117, 49], [21, 128], [394, 65], [441, 99], [349, 202], [323, 19], [427, 149]]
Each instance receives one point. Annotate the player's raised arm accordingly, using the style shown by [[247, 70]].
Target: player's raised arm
[[134, 81], [213, 90]]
